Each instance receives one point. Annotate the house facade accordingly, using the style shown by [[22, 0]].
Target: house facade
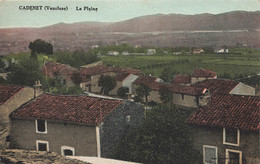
[[227, 130], [73, 125], [11, 97]]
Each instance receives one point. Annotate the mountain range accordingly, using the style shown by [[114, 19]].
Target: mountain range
[[152, 30]]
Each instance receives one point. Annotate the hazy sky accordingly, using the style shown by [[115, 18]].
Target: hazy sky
[[110, 10]]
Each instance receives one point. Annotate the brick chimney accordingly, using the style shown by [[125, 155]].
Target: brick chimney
[[205, 98], [37, 89]]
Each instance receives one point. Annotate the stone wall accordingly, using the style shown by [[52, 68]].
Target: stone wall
[[185, 100], [115, 125], [82, 138], [243, 89], [23, 96]]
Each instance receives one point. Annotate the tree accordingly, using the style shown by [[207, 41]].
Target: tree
[[40, 46], [166, 75], [162, 138], [25, 73], [2, 65], [165, 95], [107, 83], [143, 91], [122, 92]]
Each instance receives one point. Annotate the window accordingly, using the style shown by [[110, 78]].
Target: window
[[42, 145], [182, 96], [67, 151], [233, 156], [231, 136], [128, 119], [210, 154], [41, 126]]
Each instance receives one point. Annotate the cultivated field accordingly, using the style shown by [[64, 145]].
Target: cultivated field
[[239, 61]]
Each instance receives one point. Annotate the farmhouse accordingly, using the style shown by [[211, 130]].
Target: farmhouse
[[227, 129], [90, 76], [12, 97], [151, 51], [73, 125]]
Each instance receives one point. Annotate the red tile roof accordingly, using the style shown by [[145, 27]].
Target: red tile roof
[[77, 109], [230, 111], [145, 80], [121, 76], [53, 68], [100, 69], [8, 91], [203, 73], [182, 79], [217, 85], [188, 90]]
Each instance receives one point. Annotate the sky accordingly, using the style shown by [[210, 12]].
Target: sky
[[12, 13]]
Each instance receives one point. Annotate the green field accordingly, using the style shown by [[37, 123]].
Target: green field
[[240, 60]]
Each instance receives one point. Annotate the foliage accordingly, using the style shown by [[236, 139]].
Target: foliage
[[107, 83], [76, 59], [25, 73], [122, 92], [165, 95], [2, 65], [166, 75], [162, 138], [143, 91], [40, 46]]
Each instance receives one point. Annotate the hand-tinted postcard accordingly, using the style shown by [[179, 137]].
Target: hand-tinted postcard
[[130, 81]]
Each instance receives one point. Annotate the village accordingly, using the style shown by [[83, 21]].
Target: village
[[120, 113]]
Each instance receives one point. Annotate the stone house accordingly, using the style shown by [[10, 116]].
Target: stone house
[[90, 76], [11, 97], [73, 125], [55, 70], [226, 131], [202, 74]]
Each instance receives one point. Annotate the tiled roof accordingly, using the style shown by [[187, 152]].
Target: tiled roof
[[203, 73], [230, 111], [217, 85], [147, 80], [8, 91], [78, 109], [121, 76], [182, 79], [53, 68], [100, 69], [189, 90], [181, 89], [94, 70]]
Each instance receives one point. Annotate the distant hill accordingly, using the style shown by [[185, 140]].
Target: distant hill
[[151, 30], [236, 20]]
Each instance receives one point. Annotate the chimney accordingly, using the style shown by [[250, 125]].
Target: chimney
[[37, 89], [204, 99]]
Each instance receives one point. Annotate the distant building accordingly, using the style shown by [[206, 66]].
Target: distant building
[[54, 70], [125, 53], [113, 53], [201, 74], [151, 51], [95, 46], [73, 125], [198, 51], [221, 51]]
